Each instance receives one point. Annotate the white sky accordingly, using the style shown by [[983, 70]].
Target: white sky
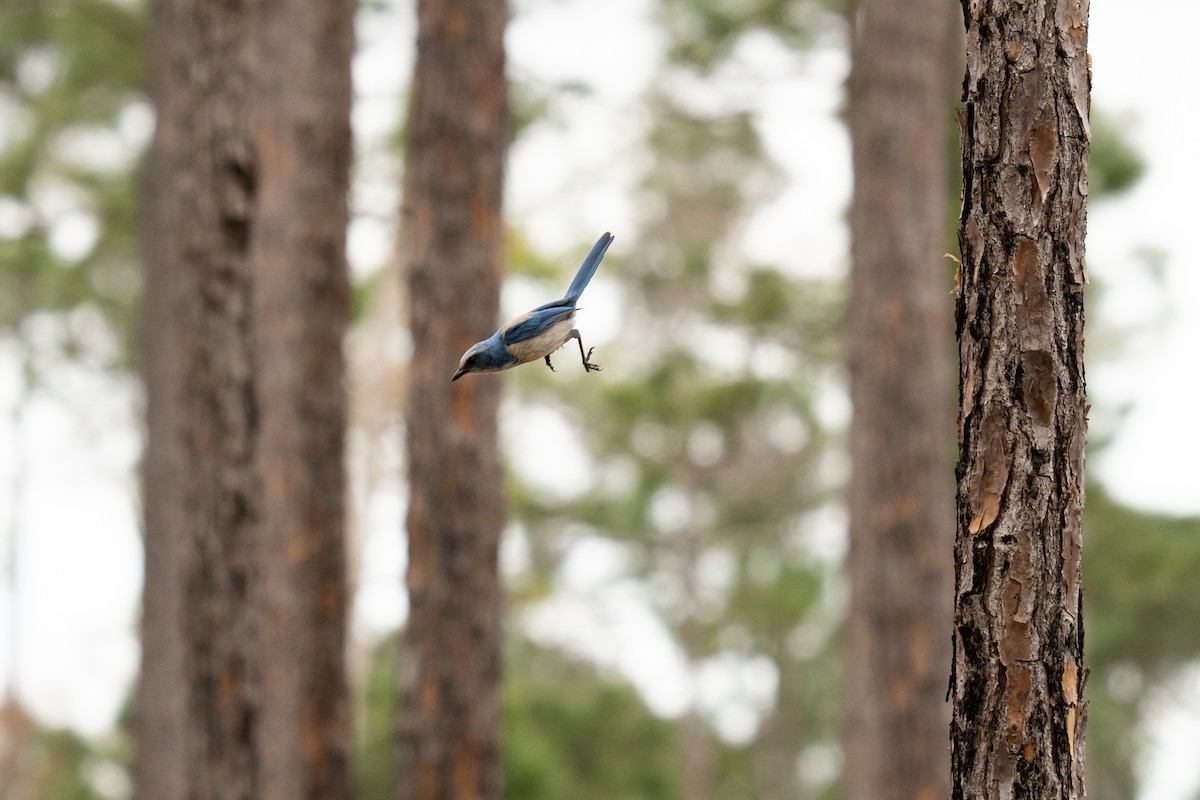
[[1142, 70], [80, 572]]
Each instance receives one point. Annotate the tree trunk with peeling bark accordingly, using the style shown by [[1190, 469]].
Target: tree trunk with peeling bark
[[243, 691], [1017, 670], [901, 501], [452, 245]]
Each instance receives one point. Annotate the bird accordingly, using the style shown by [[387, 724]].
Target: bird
[[537, 333]]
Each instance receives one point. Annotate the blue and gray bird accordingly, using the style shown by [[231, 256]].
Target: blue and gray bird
[[537, 333]]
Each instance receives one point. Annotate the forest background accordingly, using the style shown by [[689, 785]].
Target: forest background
[[610, 98]]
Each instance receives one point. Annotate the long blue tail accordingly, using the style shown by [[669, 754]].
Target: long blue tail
[[588, 268]]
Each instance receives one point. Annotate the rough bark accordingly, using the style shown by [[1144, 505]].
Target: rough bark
[[201, 202], [901, 502], [452, 246], [247, 307], [1017, 669], [301, 310]]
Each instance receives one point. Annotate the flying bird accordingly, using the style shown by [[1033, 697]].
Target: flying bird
[[540, 332]]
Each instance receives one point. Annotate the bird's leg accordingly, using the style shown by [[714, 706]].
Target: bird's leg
[[548, 364], [587, 365]]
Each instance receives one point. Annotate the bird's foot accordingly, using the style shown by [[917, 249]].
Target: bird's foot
[[551, 366], [587, 362]]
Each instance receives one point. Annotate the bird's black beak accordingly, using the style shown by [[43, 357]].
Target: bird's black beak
[[458, 375]]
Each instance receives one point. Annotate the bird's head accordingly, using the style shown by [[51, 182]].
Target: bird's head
[[481, 357]]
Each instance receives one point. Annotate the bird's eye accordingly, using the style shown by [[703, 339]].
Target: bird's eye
[[470, 362]]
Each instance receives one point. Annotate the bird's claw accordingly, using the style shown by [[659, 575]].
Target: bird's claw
[[587, 362], [551, 366]]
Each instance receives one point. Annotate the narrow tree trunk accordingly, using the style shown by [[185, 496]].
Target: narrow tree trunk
[[201, 203], [697, 746], [774, 757], [246, 309], [301, 310], [901, 504], [698, 756], [457, 139], [1018, 712], [160, 720]]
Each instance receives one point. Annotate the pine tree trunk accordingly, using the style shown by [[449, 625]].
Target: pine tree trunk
[[201, 202], [246, 308], [1017, 669], [160, 720], [452, 252], [895, 717], [301, 311]]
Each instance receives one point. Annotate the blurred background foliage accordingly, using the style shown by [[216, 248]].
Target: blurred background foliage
[[569, 730], [716, 481], [73, 122]]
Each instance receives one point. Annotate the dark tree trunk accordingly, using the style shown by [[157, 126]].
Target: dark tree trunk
[[301, 310], [1018, 712], [901, 501], [452, 252], [246, 309], [201, 201]]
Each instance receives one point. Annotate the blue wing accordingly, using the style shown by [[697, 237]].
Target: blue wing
[[588, 268], [527, 326]]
